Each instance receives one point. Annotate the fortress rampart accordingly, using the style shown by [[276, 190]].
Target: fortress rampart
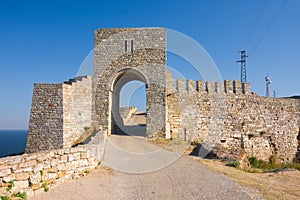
[[233, 119]]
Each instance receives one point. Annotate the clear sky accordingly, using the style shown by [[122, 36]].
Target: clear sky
[[46, 41]]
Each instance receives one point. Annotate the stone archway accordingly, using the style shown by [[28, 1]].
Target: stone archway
[[145, 62], [117, 125]]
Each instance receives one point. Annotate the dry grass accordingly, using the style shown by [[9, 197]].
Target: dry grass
[[280, 185]]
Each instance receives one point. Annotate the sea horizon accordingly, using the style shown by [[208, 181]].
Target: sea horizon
[[12, 142]]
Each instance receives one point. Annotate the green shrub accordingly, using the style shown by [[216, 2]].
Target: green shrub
[[235, 164], [253, 161], [4, 198], [271, 165], [21, 195]]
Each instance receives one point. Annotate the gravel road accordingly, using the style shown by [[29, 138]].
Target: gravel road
[[185, 178]]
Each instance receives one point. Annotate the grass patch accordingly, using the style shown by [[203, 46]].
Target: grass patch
[[12, 184], [284, 185], [235, 164], [21, 195], [45, 186], [271, 165]]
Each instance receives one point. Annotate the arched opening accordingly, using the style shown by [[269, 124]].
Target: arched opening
[[128, 108]]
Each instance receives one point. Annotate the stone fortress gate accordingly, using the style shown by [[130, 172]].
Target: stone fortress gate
[[227, 115]]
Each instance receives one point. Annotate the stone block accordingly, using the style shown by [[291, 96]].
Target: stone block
[[22, 176], [8, 178], [70, 157], [35, 178], [210, 87], [54, 162], [76, 156], [21, 185], [237, 86], [30, 163], [39, 167], [63, 158], [4, 172], [228, 86]]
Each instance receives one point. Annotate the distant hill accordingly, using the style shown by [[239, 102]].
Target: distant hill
[[295, 97]]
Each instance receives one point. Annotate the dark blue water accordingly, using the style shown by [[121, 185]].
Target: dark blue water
[[12, 142]]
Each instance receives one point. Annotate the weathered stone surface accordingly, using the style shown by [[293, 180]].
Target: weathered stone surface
[[31, 170], [22, 176], [46, 122], [30, 163], [20, 185], [234, 119], [39, 167], [9, 178], [4, 172], [35, 178]]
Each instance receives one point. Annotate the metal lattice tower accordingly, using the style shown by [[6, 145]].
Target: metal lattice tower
[[243, 66]]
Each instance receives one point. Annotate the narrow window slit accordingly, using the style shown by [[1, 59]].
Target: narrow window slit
[[131, 46]]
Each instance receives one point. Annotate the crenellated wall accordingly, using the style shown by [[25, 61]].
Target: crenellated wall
[[230, 118]]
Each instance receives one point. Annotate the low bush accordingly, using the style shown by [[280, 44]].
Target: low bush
[[4, 198], [235, 164], [21, 195], [271, 165]]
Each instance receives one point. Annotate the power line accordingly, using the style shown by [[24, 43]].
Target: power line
[[269, 26], [254, 24]]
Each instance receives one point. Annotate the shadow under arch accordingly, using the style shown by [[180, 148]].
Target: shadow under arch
[[122, 77]]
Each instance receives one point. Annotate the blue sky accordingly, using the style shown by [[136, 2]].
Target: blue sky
[[46, 41]]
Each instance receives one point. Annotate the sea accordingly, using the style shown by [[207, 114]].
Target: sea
[[12, 142]]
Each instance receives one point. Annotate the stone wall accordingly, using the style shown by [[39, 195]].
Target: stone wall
[[127, 112], [77, 108], [228, 119], [46, 118], [32, 173], [60, 113]]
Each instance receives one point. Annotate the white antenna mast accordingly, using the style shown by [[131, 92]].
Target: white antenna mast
[[268, 82]]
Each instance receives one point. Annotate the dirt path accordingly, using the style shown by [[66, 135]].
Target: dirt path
[[185, 178]]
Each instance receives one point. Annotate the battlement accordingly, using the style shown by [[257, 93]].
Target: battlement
[[76, 79], [210, 87]]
